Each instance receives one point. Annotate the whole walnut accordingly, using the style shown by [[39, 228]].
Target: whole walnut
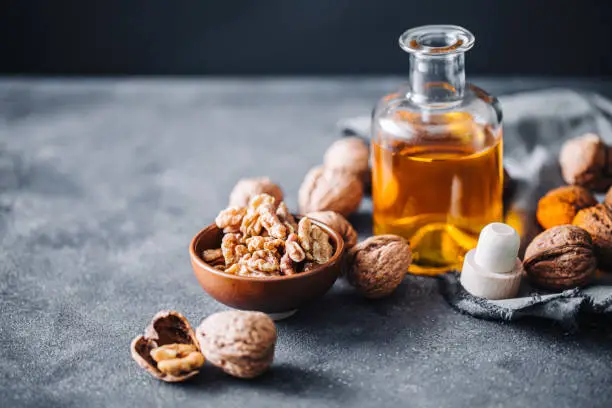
[[248, 188], [585, 161], [560, 258], [240, 343], [338, 223], [350, 154], [376, 266], [328, 190], [560, 206], [597, 221]]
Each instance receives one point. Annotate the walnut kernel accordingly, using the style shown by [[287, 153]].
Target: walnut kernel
[[314, 241], [174, 359], [560, 258], [338, 223], [376, 266], [240, 343], [560, 206], [267, 241]]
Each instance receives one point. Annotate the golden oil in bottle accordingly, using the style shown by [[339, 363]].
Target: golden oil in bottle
[[437, 176], [439, 193]]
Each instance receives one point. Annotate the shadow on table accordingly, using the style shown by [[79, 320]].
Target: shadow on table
[[591, 328], [281, 379], [344, 317], [362, 222]]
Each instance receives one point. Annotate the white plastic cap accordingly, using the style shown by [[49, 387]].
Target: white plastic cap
[[492, 270], [497, 248]]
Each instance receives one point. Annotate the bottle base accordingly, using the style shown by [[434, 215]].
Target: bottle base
[[437, 246]]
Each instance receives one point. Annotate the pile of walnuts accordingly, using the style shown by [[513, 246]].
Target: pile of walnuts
[[263, 239], [578, 230]]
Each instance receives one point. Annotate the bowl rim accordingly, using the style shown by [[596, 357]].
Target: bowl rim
[[338, 240]]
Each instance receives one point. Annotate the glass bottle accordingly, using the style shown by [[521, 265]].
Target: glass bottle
[[437, 173]]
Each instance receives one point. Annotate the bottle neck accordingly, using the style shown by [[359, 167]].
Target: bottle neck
[[437, 79]]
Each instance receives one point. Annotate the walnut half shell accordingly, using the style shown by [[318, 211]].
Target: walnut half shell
[[166, 328]]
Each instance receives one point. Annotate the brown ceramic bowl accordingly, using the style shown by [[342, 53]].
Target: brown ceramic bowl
[[278, 296]]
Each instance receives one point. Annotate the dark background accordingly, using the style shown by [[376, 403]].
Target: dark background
[[286, 37]]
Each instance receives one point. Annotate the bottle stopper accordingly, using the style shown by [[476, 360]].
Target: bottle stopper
[[492, 270]]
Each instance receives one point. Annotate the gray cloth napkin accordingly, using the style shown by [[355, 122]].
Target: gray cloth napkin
[[566, 308], [535, 126]]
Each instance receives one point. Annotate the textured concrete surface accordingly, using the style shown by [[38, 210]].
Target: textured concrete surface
[[102, 185]]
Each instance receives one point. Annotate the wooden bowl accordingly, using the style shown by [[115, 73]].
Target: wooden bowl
[[279, 296]]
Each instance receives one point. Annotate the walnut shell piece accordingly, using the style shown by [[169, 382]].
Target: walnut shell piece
[[169, 350], [562, 257], [338, 223], [585, 161], [328, 190], [376, 266], [560, 206], [248, 188], [350, 154], [241, 343], [597, 221]]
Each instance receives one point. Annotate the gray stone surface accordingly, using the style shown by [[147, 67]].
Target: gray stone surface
[[104, 182]]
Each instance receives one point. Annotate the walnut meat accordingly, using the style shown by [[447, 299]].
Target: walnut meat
[[585, 161], [240, 343], [246, 189], [560, 258], [169, 349], [376, 266], [338, 223], [560, 206], [349, 154], [324, 189], [597, 221], [314, 241], [264, 240]]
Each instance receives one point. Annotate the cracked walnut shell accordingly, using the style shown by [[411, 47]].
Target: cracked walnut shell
[[560, 206], [585, 161], [338, 223], [324, 189], [248, 188], [169, 350], [241, 343], [560, 258], [597, 221], [377, 266]]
